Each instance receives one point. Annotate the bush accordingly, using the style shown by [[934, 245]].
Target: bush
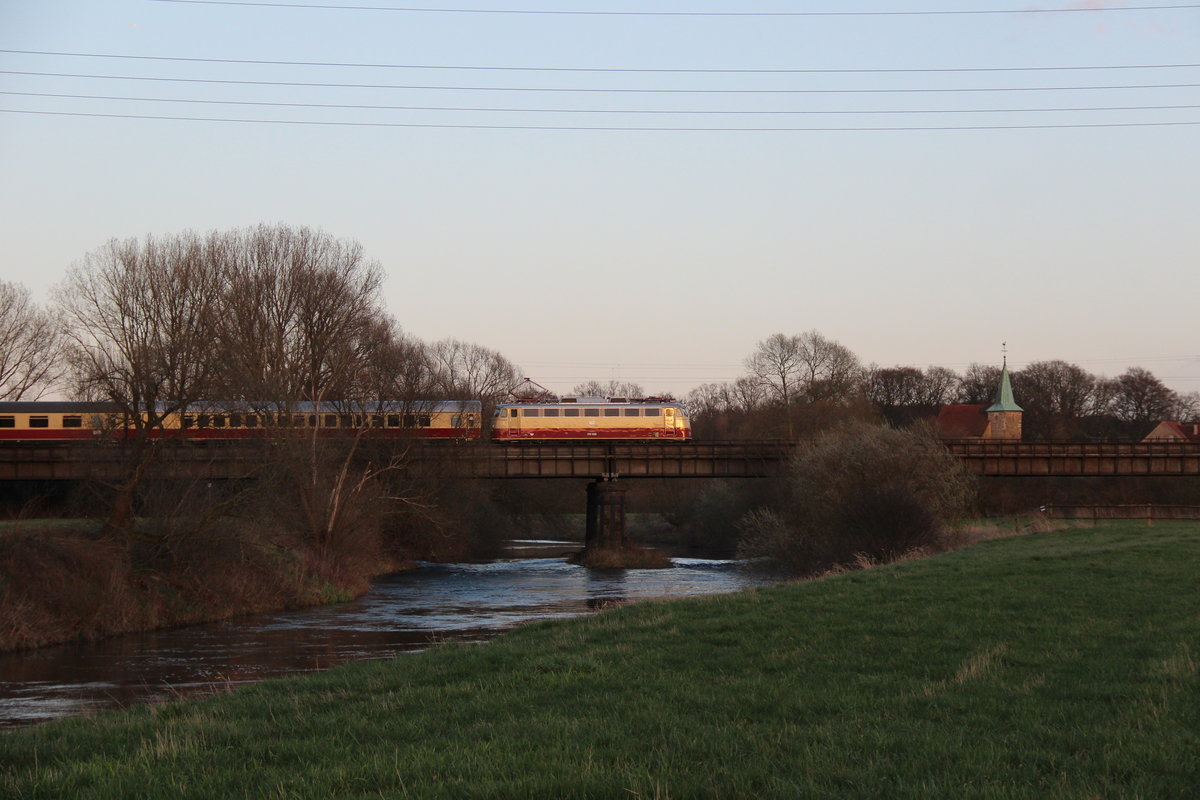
[[859, 495]]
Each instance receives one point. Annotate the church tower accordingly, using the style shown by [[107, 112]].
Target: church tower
[[1004, 415]]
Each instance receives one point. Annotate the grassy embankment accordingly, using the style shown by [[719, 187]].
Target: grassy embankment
[[1056, 665]]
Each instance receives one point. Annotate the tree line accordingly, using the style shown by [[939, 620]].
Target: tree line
[[802, 384], [265, 314], [275, 313]]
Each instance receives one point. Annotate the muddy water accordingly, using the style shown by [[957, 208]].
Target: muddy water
[[403, 612]]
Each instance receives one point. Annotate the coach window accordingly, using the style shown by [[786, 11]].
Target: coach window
[[377, 420], [331, 420], [550, 412], [72, 422], [202, 420], [530, 412], [632, 412], [251, 420], [8, 422], [612, 412], [425, 420], [591, 412], [39, 422], [512, 412], [393, 420], [218, 420], [235, 420], [650, 412], [570, 412]]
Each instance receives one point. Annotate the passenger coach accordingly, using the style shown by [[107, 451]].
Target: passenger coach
[[67, 421], [591, 419]]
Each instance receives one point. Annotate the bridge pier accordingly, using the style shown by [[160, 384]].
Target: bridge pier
[[605, 517]]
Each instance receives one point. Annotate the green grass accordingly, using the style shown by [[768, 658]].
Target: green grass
[[1058, 665]]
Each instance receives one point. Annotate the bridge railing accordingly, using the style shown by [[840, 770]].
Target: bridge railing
[[983, 448], [600, 459], [1150, 512]]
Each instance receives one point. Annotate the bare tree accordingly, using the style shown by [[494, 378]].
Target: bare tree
[[745, 394], [731, 410], [303, 321], [1188, 407], [895, 387], [398, 368], [806, 367], [300, 314], [612, 388], [903, 394], [978, 384], [832, 371], [141, 320], [939, 386], [466, 371], [30, 345], [1138, 396], [1056, 396], [778, 364]]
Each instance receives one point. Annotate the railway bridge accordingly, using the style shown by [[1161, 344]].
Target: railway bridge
[[604, 463]]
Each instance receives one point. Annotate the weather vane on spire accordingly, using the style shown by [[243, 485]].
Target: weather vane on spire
[[1004, 351]]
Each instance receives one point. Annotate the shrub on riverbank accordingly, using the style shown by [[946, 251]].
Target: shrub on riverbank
[[1058, 665], [859, 493], [64, 583]]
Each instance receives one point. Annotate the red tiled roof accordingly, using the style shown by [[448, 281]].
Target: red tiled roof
[[962, 420], [1175, 430]]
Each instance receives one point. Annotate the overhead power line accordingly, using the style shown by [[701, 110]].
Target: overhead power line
[[368, 107], [616, 13], [590, 90], [467, 126], [635, 70]]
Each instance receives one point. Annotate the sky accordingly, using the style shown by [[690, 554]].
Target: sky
[[661, 191]]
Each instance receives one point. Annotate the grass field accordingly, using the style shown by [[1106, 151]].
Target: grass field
[[1058, 665]]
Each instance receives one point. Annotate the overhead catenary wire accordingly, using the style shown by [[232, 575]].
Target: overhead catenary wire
[[628, 128], [592, 90], [684, 13], [631, 111], [637, 70]]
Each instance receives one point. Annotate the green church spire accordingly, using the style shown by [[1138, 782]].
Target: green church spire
[[1004, 394]]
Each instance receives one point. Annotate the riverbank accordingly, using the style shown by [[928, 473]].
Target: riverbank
[[1061, 664], [61, 580]]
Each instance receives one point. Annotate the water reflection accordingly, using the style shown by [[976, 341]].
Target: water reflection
[[403, 612]]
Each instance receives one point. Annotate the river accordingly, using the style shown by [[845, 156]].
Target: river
[[404, 612]]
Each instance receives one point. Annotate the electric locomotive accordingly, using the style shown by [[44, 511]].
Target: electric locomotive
[[591, 419]]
